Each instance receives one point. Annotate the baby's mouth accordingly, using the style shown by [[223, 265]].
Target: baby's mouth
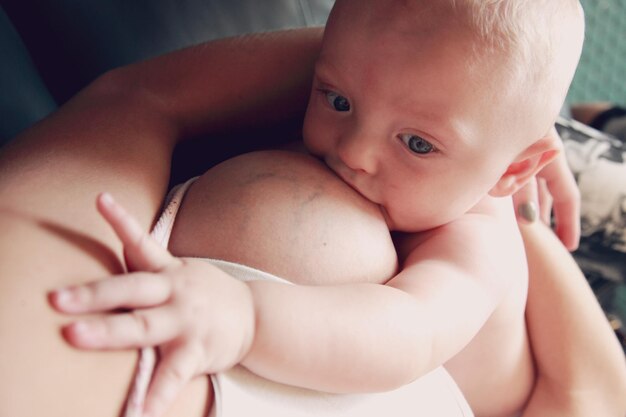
[[345, 174], [348, 176]]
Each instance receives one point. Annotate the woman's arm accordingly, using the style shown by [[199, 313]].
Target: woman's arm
[[118, 134], [50, 236], [261, 81], [581, 368], [128, 121]]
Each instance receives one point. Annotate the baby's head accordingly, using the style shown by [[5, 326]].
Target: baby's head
[[427, 106]]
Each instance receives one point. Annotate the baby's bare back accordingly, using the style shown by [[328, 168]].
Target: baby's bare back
[[285, 213]]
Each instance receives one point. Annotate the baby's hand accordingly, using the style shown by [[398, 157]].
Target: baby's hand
[[201, 319]]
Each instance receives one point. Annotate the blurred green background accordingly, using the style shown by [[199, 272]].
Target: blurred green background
[[601, 74]]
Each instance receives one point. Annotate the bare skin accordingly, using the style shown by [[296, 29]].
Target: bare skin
[[108, 135], [112, 136], [452, 293], [254, 209], [286, 214], [51, 236]]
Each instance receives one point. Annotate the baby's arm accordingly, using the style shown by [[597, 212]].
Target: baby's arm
[[115, 134], [201, 318], [359, 338], [348, 338]]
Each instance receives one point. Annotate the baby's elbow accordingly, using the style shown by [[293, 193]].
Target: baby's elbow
[[396, 377], [419, 354]]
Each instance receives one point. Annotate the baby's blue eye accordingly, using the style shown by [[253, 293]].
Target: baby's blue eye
[[339, 103], [417, 144]]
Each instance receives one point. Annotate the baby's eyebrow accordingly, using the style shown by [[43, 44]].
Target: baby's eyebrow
[[446, 131], [454, 134]]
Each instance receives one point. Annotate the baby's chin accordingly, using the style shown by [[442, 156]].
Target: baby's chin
[[413, 225]]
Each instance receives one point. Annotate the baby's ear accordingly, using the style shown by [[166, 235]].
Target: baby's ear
[[526, 165]]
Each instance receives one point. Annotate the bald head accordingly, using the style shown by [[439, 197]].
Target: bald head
[[533, 45], [540, 40]]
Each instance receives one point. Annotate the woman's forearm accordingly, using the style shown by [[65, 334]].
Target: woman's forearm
[[106, 138], [245, 82], [581, 368], [118, 135], [122, 129]]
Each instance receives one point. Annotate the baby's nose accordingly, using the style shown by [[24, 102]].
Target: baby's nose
[[358, 152]]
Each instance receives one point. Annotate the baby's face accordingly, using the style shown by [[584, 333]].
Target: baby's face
[[404, 121]]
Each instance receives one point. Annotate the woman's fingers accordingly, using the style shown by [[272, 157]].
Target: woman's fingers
[[567, 214], [562, 186], [525, 201], [176, 368], [566, 206], [545, 201], [139, 328], [142, 252], [135, 290]]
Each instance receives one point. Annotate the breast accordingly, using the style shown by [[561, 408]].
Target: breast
[[287, 214]]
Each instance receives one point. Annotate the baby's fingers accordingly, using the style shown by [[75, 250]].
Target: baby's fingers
[[142, 252], [134, 290], [176, 368], [139, 328]]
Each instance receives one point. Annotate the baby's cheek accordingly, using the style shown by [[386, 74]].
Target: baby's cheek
[[317, 132]]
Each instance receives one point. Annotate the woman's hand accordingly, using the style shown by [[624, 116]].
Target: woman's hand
[[201, 319], [555, 189], [562, 190]]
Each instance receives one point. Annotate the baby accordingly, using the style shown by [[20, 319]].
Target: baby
[[435, 112]]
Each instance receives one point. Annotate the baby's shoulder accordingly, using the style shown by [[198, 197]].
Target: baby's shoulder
[[479, 248], [490, 235]]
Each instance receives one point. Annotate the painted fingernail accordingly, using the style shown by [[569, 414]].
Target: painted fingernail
[[528, 211]]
